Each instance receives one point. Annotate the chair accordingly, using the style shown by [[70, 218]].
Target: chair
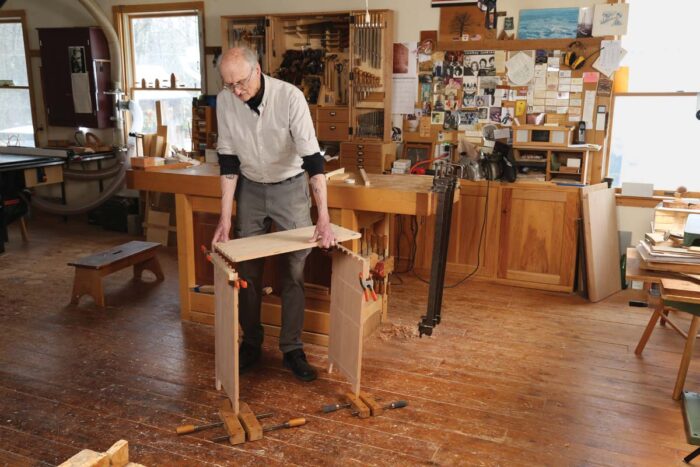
[[677, 295]]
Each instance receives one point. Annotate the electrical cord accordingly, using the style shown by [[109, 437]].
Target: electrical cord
[[479, 252]]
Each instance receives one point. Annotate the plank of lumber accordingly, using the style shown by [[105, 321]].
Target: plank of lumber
[[87, 458], [375, 407], [251, 425], [365, 177], [357, 405], [276, 243], [231, 423], [601, 241], [118, 454], [114, 255], [336, 172]]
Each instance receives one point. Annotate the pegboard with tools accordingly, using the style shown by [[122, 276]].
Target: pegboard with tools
[[371, 79], [340, 60]]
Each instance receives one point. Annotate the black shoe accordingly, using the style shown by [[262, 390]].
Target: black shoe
[[248, 355], [295, 360]]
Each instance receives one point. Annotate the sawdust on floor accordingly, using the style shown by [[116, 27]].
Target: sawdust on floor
[[400, 332]]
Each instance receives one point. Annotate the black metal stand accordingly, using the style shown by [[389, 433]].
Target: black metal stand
[[691, 456], [444, 185]]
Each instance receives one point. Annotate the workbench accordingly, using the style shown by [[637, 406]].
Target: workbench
[[18, 172], [197, 193]]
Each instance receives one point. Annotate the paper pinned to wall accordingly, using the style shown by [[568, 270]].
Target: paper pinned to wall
[[521, 69], [404, 95], [588, 108], [610, 57]]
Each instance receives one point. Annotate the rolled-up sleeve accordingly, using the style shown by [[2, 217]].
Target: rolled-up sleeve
[[301, 125], [224, 142]]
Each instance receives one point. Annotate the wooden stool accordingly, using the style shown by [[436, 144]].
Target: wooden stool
[[90, 270], [678, 295]]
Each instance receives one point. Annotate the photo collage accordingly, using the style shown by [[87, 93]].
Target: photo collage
[[461, 90]]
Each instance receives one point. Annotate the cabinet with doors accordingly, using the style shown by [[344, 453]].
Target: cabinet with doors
[[341, 61], [75, 73], [523, 234]]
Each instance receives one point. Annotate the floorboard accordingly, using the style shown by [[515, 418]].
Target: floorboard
[[510, 377]]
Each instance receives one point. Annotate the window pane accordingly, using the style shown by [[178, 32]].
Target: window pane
[[656, 140], [177, 114], [165, 45], [12, 60], [16, 118], [661, 45]]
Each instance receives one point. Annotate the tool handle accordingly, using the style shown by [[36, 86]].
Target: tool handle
[[185, 429], [331, 408], [295, 422], [397, 405], [374, 295]]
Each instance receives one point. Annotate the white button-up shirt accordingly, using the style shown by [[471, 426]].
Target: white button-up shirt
[[270, 145]]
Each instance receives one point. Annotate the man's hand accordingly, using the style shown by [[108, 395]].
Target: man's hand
[[222, 232], [323, 233]]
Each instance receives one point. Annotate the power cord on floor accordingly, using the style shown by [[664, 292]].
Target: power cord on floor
[[479, 250]]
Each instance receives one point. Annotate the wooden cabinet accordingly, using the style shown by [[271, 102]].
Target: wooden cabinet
[[559, 164], [374, 157], [341, 61], [538, 235], [529, 234], [75, 67], [203, 129]]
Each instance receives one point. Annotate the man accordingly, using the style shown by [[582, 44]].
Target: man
[[266, 145]]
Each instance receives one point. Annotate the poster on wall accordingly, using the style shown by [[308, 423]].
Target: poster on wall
[[548, 23], [80, 84], [610, 20]]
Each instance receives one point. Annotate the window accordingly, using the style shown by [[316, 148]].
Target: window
[[16, 122], [160, 45], [655, 134]]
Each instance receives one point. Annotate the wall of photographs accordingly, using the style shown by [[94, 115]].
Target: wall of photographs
[[461, 91]]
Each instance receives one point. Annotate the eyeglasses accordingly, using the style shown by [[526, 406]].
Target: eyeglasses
[[239, 85]]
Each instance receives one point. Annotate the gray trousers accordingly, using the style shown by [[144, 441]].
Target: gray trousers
[[258, 205]]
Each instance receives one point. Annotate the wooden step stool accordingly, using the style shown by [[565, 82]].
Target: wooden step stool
[[90, 270]]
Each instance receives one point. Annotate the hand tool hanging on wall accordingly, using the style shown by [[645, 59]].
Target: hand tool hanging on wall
[[368, 39], [445, 183]]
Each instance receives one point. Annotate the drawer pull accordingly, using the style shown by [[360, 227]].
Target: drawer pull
[[332, 114], [332, 127], [360, 153], [360, 146]]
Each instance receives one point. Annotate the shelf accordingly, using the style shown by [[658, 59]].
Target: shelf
[[520, 44]]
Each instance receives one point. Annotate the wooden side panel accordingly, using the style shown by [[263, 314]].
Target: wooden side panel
[[347, 302], [601, 241], [538, 236], [226, 329], [275, 243]]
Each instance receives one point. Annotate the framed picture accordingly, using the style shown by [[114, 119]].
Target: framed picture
[[610, 20], [441, 3], [548, 23]]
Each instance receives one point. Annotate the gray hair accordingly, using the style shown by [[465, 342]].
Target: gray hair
[[250, 55]]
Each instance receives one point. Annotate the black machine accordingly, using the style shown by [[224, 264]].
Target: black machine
[[445, 182]]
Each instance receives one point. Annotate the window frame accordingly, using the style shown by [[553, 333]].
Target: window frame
[[122, 19], [20, 16], [666, 191]]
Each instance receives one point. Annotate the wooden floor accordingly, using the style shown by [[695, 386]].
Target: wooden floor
[[510, 377]]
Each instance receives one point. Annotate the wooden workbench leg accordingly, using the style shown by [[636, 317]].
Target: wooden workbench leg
[[150, 264], [346, 218], [655, 315], [185, 252], [88, 282], [687, 355]]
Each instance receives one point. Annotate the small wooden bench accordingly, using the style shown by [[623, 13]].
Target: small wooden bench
[[90, 270]]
